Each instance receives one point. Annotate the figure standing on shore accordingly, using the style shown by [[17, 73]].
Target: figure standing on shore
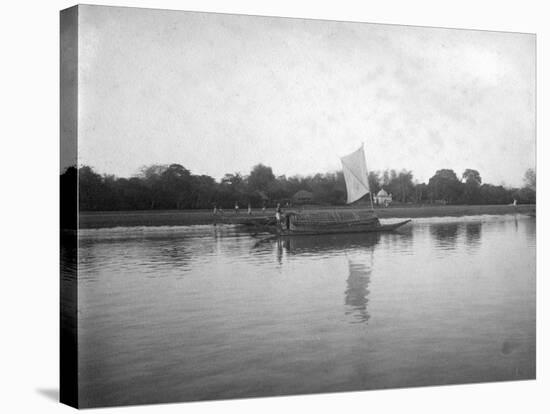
[[263, 207], [215, 210], [236, 207], [249, 209]]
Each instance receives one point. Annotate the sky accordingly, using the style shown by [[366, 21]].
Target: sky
[[221, 93]]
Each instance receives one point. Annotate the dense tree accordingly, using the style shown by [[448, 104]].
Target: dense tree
[[470, 176], [420, 193], [530, 179], [328, 188], [260, 178], [492, 194], [525, 195], [175, 187], [203, 191], [472, 182], [235, 181], [374, 182], [91, 190], [232, 190], [151, 177], [445, 186], [385, 179], [401, 185]]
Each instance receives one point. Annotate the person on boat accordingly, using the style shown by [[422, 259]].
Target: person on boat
[[236, 207], [249, 209], [278, 212]]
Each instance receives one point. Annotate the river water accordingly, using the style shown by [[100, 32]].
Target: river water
[[204, 312]]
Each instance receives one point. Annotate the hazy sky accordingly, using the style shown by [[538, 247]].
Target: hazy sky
[[221, 93]]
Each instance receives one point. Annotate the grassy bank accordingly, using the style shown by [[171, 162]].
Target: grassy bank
[[189, 217]]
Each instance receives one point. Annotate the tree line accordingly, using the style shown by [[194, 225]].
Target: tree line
[[175, 187]]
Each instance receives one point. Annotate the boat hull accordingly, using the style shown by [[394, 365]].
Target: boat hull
[[338, 230]]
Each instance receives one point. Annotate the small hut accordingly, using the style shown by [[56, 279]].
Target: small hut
[[302, 197]]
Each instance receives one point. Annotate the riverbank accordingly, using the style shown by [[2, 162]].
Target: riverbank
[[190, 217]]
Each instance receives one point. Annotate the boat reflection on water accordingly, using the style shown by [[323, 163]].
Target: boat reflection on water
[[330, 243], [359, 252]]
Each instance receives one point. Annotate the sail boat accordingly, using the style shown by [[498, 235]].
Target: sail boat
[[354, 166], [340, 221]]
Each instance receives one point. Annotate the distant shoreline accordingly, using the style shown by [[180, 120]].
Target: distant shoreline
[[106, 219]]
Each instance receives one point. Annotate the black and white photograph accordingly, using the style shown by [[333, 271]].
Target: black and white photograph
[[287, 206], [269, 206]]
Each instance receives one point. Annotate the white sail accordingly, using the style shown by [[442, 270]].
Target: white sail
[[355, 174]]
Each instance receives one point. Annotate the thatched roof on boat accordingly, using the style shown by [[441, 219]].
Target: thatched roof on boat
[[303, 196], [331, 216]]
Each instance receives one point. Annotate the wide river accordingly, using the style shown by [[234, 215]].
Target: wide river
[[204, 312]]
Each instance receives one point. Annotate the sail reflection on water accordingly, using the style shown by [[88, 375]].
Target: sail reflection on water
[[356, 294], [358, 249]]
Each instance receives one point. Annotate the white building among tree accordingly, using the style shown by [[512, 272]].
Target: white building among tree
[[383, 198]]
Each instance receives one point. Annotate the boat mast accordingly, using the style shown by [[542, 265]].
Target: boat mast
[[370, 191], [371, 203]]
